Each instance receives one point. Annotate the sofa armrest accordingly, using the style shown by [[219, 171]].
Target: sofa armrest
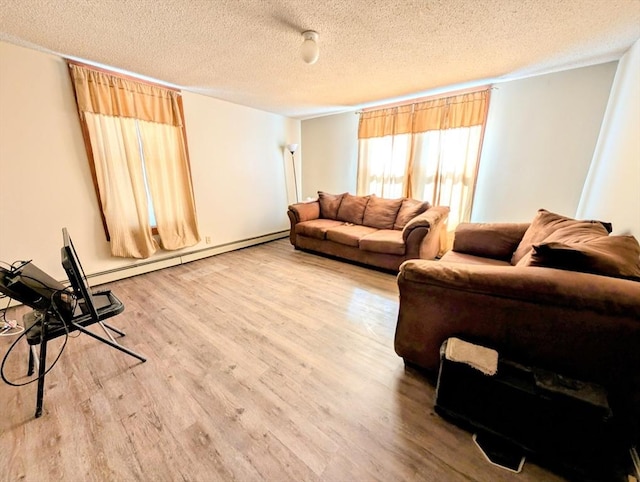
[[301, 212], [578, 324], [305, 211], [490, 240], [423, 234]]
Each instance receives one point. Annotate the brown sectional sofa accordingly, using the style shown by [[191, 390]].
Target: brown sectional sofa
[[368, 229], [558, 294]]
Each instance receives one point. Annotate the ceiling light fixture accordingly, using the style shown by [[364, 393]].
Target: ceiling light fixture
[[309, 49]]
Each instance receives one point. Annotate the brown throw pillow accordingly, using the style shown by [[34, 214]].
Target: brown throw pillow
[[352, 208], [329, 204], [577, 232], [410, 209], [381, 213], [617, 256], [545, 223]]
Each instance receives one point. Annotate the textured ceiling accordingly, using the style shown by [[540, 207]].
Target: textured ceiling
[[247, 51]]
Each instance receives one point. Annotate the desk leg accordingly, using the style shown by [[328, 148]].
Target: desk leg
[[109, 342], [114, 329], [31, 361], [41, 373]]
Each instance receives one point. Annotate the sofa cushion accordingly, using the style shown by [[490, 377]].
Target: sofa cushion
[[388, 241], [616, 256], [410, 209], [491, 240], [349, 234], [466, 258], [381, 213], [316, 228], [545, 223], [352, 208], [329, 204]]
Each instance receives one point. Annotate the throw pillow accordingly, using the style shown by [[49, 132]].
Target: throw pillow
[[410, 209], [544, 224], [329, 204], [578, 232], [352, 208], [616, 256], [381, 213]]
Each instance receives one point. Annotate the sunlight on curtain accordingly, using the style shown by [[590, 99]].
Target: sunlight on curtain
[[169, 184], [382, 164], [427, 150], [444, 169], [118, 167]]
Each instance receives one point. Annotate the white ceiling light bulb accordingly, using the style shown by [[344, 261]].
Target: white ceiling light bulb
[[309, 49]]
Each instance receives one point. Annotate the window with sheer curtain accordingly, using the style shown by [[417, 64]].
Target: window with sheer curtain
[[427, 150], [138, 156]]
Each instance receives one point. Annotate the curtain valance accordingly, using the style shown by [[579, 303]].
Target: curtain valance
[[464, 110], [101, 93]]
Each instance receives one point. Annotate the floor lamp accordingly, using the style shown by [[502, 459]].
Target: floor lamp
[[292, 148]]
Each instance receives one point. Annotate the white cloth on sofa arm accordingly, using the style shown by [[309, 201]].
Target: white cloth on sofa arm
[[479, 357]]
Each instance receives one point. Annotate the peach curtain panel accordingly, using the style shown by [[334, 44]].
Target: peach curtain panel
[[175, 214], [427, 150], [119, 173], [139, 153]]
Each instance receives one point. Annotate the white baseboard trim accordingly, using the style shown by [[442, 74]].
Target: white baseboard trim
[[141, 268]]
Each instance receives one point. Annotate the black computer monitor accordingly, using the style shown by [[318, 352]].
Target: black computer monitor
[[77, 277]]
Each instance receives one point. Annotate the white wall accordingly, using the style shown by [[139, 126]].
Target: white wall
[[46, 182], [237, 162], [241, 179], [330, 149], [612, 190], [540, 137], [539, 140]]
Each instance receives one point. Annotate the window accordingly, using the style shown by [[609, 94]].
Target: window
[[138, 156], [427, 151], [150, 210]]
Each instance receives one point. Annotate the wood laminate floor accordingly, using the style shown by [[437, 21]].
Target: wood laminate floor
[[263, 364]]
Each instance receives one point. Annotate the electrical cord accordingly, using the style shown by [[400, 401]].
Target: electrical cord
[[7, 264], [26, 332], [22, 264], [4, 312]]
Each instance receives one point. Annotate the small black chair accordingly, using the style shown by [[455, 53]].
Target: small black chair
[[71, 310]]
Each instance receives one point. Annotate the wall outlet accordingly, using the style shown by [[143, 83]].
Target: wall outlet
[[207, 239]]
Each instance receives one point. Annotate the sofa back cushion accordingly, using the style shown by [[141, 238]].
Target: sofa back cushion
[[616, 256], [381, 213], [489, 240], [329, 204], [545, 223], [352, 208], [410, 209]]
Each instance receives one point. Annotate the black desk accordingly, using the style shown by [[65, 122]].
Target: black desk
[[42, 327]]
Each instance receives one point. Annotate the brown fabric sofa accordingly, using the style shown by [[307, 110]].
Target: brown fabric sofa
[[500, 286], [368, 229]]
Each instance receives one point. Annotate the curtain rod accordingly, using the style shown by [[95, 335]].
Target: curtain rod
[[115, 73], [416, 100]]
